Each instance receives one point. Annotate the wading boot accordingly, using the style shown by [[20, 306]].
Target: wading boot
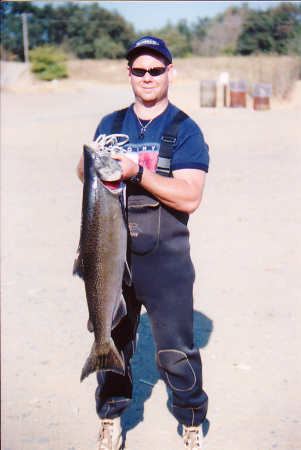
[[193, 438], [110, 435]]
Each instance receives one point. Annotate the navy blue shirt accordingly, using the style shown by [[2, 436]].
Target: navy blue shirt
[[189, 152]]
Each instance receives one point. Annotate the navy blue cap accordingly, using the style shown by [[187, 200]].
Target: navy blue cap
[[150, 42]]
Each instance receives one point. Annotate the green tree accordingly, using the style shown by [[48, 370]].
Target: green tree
[[81, 28], [272, 30], [91, 27], [106, 48], [55, 22], [185, 30], [177, 38], [11, 27], [287, 27], [199, 29], [256, 34]]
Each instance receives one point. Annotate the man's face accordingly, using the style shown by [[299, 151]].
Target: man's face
[[149, 88]]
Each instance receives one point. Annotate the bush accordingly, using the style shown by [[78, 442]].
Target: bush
[[105, 47], [47, 63]]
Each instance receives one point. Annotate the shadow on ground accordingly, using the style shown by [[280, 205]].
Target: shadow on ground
[[145, 374]]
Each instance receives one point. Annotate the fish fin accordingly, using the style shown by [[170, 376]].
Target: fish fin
[[90, 325], [78, 267], [127, 275], [119, 312], [106, 357]]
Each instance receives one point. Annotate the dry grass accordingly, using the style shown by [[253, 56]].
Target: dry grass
[[102, 71], [280, 71]]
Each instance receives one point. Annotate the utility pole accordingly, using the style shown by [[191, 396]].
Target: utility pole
[[25, 37]]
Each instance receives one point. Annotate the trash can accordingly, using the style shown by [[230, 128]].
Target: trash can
[[208, 93], [261, 95], [238, 94]]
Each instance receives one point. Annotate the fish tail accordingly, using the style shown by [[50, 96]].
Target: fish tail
[[104, 357]]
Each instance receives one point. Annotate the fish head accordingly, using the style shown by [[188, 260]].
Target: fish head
[[107, 169]]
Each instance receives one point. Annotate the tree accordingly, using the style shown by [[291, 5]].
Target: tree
[[82, 29], [287, 26], [199, 29], [177, 42], [11, 26], [272, 30], [90, 31], [256, 34]]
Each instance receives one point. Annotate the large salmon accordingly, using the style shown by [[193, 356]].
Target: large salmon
[[101, 256]]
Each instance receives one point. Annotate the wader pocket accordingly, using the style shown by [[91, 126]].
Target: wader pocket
[[144, 215]]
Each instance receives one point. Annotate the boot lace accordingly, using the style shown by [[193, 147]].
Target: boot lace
[[192, 438], [105, 436]]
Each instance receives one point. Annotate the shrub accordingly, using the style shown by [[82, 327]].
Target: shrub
[[105, 47], [47, 63]]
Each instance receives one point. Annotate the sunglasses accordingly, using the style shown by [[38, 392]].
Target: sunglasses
[[155, 72]]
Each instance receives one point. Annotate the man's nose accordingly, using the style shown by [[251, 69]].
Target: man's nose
[[147, 77]]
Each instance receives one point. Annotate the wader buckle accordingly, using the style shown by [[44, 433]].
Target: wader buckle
[[169, 139], [163, 165]]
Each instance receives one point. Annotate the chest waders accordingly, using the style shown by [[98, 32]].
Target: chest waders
[[163, 277]]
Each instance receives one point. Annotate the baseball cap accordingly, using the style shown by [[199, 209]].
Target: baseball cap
[[154, 43]]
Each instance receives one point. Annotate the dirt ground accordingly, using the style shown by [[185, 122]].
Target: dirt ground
[[246, 249]]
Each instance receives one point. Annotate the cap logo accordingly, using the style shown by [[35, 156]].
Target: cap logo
[[147, 41]]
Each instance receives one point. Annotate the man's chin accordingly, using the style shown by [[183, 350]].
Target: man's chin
[[149, 96]]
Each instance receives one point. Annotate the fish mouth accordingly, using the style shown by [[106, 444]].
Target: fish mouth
[[112, 185]]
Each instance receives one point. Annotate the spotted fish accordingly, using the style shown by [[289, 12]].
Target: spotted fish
[[101, 256]]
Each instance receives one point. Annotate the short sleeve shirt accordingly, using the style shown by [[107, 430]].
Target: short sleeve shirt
[[189, 152]]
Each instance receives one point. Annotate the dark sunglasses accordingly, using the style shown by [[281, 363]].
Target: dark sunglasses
[[155, 72]]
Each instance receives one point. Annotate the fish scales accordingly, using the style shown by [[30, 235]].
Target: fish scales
[[101, 258]]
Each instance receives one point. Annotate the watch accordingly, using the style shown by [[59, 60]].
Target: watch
[[137, 178]]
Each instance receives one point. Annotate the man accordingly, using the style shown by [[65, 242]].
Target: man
[[162, 271]]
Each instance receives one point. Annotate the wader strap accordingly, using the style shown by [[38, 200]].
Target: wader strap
[[118, 121], [168, 141]]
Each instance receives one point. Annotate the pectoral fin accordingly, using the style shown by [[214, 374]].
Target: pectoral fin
[[127, 276], [90, 326], [78, 267], [119, 311]]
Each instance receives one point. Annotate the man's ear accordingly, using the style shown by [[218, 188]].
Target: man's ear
[[129, 73], [171, 72]]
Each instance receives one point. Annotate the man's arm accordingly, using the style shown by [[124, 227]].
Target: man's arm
[[183, 192]]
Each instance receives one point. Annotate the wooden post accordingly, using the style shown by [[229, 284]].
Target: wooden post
[[224, 79], [225, 95], [25, 37]]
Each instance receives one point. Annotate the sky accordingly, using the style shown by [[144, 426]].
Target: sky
[[153, 15]]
